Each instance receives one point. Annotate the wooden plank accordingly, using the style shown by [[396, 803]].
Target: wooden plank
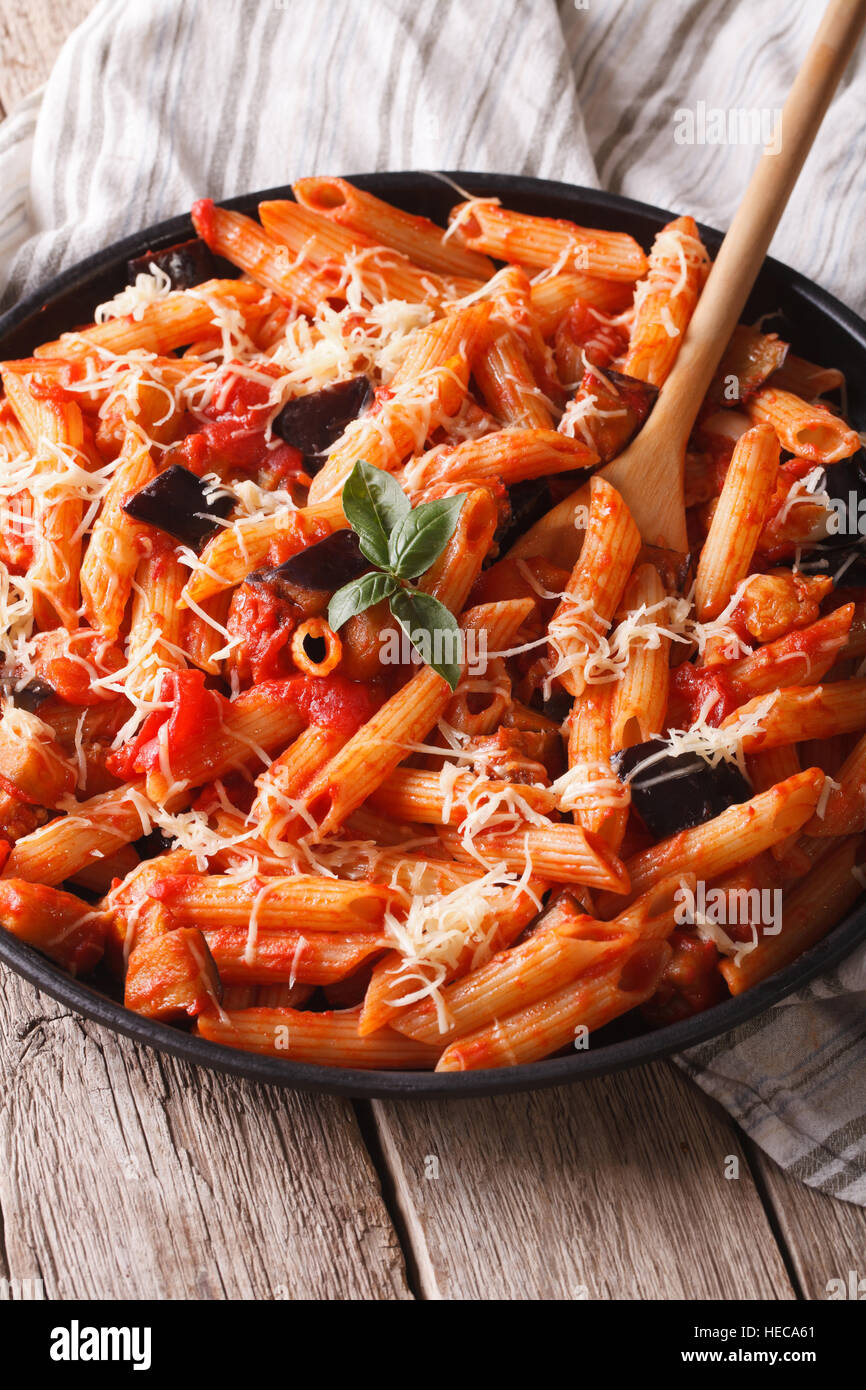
[[611, 1189], [32, 33], [124, 1173], [825, 1238]]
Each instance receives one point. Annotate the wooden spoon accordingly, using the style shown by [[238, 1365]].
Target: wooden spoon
[[649, 473]]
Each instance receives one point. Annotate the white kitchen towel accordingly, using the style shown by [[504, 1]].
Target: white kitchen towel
[[155, 103]]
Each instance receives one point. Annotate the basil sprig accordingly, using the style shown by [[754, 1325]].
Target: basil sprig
[[402, 542]]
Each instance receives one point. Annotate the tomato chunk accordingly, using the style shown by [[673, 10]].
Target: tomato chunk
[[192, 714]]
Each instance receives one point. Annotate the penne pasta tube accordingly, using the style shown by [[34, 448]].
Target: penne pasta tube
[[399, 979], [810, 909], [665, 301], [329, 1039], [114, 547], [805, 379], [155, 624], [161, 327], [560, 853], [737, 520], [305, 901], [606, 989], [98, 876], [451, 577], [590, 789], [55, 430], [241, 547], [459, 332], [284, 956], [261, 719], [805, 653], [553, 295], [811, 431], [203, 630], [596, 586], [268, 260], [415, 237], [843, 812], [640, 696], [483, 225], [564, 944], [381, 272], [413, 873], [275, 807], [59, 849], [802, 712], [775, 765], [766, 770], [508, 385], [506, 456], [738, 834], [440, 798], [510, 293], [303, 647]]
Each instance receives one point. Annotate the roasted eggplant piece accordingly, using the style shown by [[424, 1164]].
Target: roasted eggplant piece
[[842, 552], [527, 503], [674, 792], [30, 696], [186, 264], [312, 423], [622, 404], [845, 565], [177, 501], [749, 359], [325, 566], [153, 844]]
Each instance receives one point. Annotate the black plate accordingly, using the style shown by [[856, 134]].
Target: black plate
[[819, 327]]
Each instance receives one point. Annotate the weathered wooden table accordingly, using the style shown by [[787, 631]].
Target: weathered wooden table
[[127, 1174]]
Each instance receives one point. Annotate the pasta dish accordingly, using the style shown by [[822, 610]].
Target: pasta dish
[[347, 717]]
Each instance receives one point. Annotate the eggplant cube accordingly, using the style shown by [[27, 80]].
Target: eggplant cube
[[672, 792], [312, 423], [325, 566], [179, 502], [187, 263]]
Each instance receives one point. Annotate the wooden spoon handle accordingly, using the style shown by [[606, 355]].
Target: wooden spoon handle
[[745, 246]]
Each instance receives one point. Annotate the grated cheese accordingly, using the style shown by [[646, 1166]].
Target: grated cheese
[[149, 288]]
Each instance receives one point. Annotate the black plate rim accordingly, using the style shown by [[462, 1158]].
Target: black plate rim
[[304, 1076]]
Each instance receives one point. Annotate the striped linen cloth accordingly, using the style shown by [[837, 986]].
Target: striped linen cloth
[[153, 104]]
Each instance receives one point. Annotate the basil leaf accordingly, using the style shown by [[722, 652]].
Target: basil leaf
[[374, 504], [357, 596], [422, 535], [432, 630]]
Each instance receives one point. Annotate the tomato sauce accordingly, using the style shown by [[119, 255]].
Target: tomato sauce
[[195, 714], [264, 622], [691, 687], [333, 702], [690, 984], [233, 432]]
